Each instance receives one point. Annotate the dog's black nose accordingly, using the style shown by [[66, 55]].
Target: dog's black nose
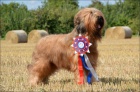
[[100, 21], [100, 17]]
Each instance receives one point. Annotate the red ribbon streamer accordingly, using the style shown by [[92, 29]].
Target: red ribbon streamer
[[81, 73]]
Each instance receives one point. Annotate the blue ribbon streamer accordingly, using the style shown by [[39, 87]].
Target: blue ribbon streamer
[[89, 77]]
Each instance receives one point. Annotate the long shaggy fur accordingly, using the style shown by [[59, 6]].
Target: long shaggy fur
[[55, 52]]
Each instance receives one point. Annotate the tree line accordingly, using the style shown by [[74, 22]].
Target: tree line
[[57, 16]]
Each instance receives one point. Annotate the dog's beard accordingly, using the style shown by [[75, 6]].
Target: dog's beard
[[81, 28]]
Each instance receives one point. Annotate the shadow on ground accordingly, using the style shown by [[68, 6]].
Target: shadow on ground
[[116, 80], [119, 81]]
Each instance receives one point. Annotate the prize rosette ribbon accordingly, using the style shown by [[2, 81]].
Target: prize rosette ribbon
[[81, 46]]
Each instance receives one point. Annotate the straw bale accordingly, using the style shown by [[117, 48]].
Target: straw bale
[[109, 32], [16, 36], [122, 32], [35, 35]]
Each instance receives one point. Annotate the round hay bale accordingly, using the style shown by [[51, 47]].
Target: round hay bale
[[109, 32], [35, 35], [122, 32], [16, 36]]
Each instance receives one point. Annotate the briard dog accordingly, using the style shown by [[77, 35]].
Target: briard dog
[[55, 52]]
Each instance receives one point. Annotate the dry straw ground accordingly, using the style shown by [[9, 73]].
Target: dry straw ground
[[118, 69]]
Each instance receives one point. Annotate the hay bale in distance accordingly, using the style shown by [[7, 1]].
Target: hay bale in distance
[[16, 36], [35, 35], [109, 32], [122, 32], [119, 32]]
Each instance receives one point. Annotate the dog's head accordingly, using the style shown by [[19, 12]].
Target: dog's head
[[89, 21]]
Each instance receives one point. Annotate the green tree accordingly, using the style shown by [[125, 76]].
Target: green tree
[[59, 15], [12, 16], [54, 15], [132, 8]]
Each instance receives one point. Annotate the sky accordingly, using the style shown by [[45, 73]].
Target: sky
[[33, 4]]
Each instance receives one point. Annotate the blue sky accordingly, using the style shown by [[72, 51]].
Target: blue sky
[[33, 4]]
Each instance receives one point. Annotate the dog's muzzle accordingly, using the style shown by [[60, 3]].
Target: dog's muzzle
[[100, 22]]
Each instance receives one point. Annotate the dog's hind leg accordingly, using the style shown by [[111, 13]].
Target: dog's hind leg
[[40, 71], [50, 69]]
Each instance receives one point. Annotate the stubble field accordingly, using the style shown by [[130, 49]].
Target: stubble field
[[118, 69]]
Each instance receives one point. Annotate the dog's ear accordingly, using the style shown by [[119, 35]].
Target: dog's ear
[[81, 28]]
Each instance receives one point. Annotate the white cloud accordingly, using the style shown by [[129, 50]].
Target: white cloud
[[32, 1]]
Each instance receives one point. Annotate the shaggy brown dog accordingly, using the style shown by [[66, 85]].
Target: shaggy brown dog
[[55, 52]]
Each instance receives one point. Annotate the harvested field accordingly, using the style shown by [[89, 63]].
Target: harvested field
[[118, 69]]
